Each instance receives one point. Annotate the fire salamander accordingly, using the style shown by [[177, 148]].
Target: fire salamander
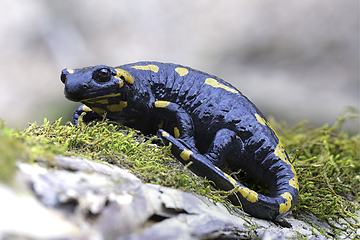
[[208, 121]]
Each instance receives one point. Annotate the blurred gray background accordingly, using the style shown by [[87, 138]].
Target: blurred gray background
[[296, 60]]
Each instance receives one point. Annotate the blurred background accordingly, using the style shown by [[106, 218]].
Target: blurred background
[[296, 60]]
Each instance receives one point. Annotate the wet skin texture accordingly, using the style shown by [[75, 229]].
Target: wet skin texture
[[208, 122]]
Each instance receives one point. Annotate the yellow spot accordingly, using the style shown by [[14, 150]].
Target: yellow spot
[[117, 107], [127, 77], [132, 120], [70, 70], [176, 132], [100, 97], [161, 125], [186, 154], [181, 71], [294, 182], [150, 67], [165, 134], [86, 108], [216, 84], [264, 122], [260, 119], [103, 101], [280, 152], [232, 180], [161, 104], [247, 193], [121, 82], [99, 111], [284, 207]]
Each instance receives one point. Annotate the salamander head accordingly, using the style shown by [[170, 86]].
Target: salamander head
[[100, 81]]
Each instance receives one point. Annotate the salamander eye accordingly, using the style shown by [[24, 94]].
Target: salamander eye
[[102, 75]]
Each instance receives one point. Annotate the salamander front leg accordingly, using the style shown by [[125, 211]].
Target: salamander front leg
[[89, 116], [183, 126]]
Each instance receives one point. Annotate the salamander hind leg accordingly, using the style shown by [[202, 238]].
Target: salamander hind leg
[[206, 165], [224, 145]]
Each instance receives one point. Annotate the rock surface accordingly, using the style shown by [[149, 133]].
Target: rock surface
[[81, 199]]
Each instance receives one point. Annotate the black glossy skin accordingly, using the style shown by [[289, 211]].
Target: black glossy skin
[[208, 122]]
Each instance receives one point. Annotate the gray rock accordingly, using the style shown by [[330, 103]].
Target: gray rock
[[83, 199]]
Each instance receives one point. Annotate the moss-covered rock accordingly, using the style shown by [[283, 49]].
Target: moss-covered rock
[[326, 160]]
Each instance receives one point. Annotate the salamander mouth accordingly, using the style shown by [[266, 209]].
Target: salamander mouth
[[104, 99], [72, 97], [90, 96], [75, 97], [114, 102]]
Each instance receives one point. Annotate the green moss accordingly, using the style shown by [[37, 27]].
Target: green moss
[[124, 147], [10, 151], [327, 162]]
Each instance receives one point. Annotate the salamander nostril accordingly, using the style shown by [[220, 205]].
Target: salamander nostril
[[63, 75]]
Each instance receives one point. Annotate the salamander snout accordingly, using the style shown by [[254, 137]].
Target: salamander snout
[[64, 75]]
